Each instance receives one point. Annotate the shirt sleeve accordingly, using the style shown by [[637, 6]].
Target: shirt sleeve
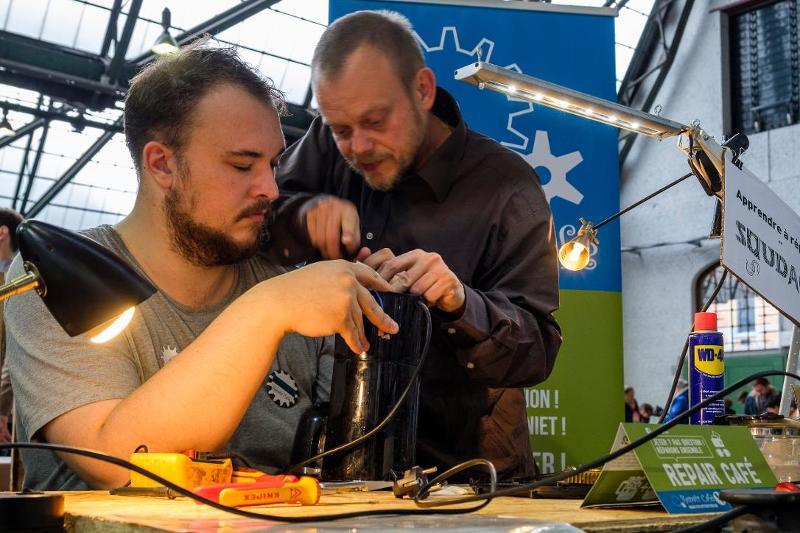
[[507, 335], [305, 170], [54, 373]]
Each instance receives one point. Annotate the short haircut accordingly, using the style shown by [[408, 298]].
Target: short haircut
[[387, 31], [764, 382], [163, 96], [11, 219]]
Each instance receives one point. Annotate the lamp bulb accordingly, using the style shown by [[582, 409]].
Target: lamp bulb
[[574, 255], [111, 328]]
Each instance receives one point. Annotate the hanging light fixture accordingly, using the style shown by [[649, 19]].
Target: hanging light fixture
[[166, 43], [5, 125]]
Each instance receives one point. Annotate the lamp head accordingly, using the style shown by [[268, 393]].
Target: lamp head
[[575, 254], [85, 284], [166, 43]]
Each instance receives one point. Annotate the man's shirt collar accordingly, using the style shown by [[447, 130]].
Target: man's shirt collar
[[440, 171]]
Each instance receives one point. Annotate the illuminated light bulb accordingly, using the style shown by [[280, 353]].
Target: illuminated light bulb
[[575, 254], [635, 125], [612, 118], [111, 328], [512, 89], [588, 112], [537, 97]]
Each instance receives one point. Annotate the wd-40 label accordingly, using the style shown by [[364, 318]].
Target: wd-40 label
[[708, 359], [706, 375]]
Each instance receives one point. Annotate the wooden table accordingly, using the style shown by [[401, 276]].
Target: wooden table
[[97, 511]]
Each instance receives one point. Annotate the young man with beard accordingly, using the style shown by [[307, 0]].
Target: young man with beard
[[451, 215], [214, 360]]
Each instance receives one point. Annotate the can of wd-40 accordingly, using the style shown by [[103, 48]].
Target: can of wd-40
[[706, 368]]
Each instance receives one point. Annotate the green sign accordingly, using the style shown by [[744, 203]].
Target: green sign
[[684, 469], [574, 414]]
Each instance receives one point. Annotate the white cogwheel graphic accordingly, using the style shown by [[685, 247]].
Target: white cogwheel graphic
[[557, 166], [483, 49]]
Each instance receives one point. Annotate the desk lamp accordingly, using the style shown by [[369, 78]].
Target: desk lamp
[[704, 153], [86, 287]]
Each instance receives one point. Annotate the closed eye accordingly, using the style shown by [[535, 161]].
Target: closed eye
[[243, 168]]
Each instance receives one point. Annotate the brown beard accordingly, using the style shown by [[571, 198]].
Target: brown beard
[[202, 245]]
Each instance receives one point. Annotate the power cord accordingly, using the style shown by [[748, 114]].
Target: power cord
[[391, 414], [682, 358]]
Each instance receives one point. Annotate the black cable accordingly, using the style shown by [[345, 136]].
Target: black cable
[[391, 414], [716, 521], [564, 474], [682, 358]]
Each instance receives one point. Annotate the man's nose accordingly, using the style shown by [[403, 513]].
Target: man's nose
[[266, 185], [361, 143]]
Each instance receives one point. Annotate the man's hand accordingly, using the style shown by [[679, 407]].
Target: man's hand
[[5, 435], [332, 297], [332, 225], [421, 273]]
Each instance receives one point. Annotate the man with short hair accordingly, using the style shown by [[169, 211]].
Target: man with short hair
[[9, 220], [761, 396], [444, 213], [214, 360]]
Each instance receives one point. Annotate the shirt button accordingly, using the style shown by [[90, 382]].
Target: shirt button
[[370, 236], [451, 331], [470, 365]]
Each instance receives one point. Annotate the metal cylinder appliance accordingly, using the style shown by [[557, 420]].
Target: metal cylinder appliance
[[364, 388]]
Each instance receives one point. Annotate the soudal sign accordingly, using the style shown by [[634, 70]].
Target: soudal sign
[[761, 240]]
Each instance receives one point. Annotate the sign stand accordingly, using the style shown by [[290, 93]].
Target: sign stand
[[791, 366]]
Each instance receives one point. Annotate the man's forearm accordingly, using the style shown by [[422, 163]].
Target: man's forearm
[[195, 402]]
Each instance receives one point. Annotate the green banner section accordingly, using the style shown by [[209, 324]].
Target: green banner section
[[684, 469], [573, 416]]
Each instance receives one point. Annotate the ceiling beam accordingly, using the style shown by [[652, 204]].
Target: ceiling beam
[[79, 121], [71, 172], [21, 132], [115, 67]]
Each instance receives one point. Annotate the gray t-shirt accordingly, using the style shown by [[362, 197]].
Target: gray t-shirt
[[53, 373]]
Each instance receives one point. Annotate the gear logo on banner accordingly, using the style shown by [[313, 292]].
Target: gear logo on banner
[[540, 156], [557, 166]]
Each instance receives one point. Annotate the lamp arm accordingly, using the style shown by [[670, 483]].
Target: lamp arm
[[640, 202], [30, 280]]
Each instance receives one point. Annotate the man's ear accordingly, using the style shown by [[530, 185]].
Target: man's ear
[[425, 87], [4, 232], [158, 161]]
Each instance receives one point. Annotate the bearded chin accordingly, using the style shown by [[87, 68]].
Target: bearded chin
[[200, 244]]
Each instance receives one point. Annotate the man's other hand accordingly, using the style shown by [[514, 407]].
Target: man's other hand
[[333, 226], [421, 273], [333, 297]]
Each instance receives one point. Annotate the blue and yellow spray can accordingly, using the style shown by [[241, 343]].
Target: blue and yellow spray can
[[706, 368]]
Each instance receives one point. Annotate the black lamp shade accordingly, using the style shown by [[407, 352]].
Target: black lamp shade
[[87, 284]]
